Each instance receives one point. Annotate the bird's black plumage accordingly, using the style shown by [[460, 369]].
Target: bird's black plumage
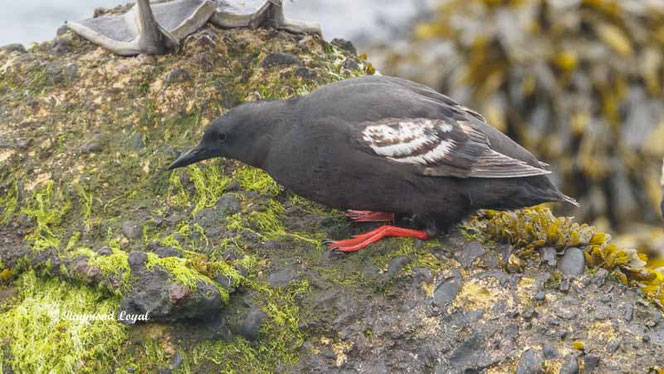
[[383, 144]]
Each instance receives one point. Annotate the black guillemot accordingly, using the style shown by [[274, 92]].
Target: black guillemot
[[381, 146]]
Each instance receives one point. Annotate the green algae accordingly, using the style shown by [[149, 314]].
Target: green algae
[[9, 202], [277, 349], [182, 272], [42, 334], [47, 207]]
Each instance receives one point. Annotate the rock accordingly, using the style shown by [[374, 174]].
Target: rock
[[234, 186], [156, 296], [225, 282], [105, 251], [132, 230], [629, 312], [469, 252], [571, 366], [530, 362], [62, 45], [572, 263], [351, 65], [167, 252], [146, 59], [281, 278], [446, 292], [136, 260], [540, 296], [228, 205], [176, 360], [549, 351], [549, 255], [344, 44], [178, 76], [421, 274], [564, 285], [600, 276], [303, 72], [613, 345], [590, 363], [251, 324], [92, 147], [280, 59], [14, 47], [137, 142], [23, 144], [396, 263]]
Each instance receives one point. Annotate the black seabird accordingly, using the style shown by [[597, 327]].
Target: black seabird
[[381, 144]]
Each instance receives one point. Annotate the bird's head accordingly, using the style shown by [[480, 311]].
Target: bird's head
[[238, 134]]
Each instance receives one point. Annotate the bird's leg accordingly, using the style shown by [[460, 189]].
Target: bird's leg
[[369, 216], [276, 19], [152, 38], [361, 241]]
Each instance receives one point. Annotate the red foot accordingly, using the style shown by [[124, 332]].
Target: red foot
[[360, 241], [369, 216]]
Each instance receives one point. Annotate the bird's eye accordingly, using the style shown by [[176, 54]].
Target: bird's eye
[[222, 137]]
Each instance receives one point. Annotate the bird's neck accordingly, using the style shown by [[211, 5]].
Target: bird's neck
[[267, 120]]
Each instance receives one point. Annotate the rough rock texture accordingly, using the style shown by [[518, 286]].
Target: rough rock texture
[[91, 223]]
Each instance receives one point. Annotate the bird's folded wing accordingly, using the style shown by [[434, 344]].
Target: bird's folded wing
[[440, 147]]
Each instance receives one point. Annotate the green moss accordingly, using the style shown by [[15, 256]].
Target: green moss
[[254, 179], [42, 337], [209, 185], [115, 264], [276, 350], [47, 208], [10, 202], [182, 273]]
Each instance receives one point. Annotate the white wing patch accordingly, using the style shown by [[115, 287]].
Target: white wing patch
[[413, 141]]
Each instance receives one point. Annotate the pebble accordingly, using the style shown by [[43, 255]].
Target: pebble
[[564, 285], [92, 147], [136, 259], [613, 345], [572, 263], [281, 278], [629, 312], [105, 251], [351, 65], [250, 327], [228, 205], [469, 252], [446, 292], [548, 255], [178, 76], [344, 44], [600, 276], [549, 351], [540, 296], [280, 59], [530, 362], [136, 142], [132, 230], [571, 366], [590, 363], [396, 263]]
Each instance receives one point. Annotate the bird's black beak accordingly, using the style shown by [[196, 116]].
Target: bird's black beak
[[195, 155]]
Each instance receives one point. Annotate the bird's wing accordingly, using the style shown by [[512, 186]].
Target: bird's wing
[[441, 147]]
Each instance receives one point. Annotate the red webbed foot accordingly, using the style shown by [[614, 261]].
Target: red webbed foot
[[361, 241], [369, 216]]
